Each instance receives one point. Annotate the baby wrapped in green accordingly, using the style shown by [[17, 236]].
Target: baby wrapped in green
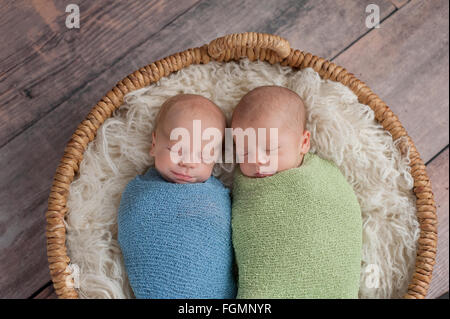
[[297, 234]]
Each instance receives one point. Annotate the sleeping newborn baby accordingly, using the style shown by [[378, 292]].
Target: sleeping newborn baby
[[174, 222], [296, 225]]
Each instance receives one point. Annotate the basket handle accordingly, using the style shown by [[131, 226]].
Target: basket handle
[[249, 40]]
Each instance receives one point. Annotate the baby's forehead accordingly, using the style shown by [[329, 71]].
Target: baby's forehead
[[187, 105], [181, 111], [269, 105], [271, 94]]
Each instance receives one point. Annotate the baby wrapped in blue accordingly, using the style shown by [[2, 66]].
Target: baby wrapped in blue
[[176, 238]]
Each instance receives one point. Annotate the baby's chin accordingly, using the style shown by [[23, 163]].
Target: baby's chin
[[171, 178], [262, 175], [266, 174], [188, 182], [259, 175]]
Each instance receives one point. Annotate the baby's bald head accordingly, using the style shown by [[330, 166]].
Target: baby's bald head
[[270, 108], [188, 106], [184, 161], [274, 100]]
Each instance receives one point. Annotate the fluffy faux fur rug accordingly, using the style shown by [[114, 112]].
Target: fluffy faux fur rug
[[342, 129]]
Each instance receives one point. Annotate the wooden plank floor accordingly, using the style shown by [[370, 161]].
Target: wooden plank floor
[[408, 69], [438, 171], [51, 76]]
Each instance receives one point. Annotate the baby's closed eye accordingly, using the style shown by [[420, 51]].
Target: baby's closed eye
[[180, 152], [245, 153]]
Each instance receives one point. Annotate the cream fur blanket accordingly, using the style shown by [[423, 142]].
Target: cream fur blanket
[[343, 130]]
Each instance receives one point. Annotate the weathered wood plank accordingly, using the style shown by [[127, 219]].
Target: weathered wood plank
[[322, 37], [47, 293], [43, 61], [23, 266], [54, 53], [32, 157], [405, 62], [399, 3], [408, 68], [438, 170]]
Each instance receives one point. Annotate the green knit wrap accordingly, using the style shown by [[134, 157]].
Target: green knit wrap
[[297, 234]]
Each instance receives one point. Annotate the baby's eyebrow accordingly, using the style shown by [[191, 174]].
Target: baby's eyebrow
[[172, 143]]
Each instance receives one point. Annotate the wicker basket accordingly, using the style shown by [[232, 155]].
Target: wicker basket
[[264, 47]]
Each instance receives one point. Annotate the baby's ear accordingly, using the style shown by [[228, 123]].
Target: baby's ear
[[152, 147], [305, 142]]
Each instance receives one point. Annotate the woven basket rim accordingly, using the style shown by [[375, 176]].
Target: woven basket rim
[[254, 46]]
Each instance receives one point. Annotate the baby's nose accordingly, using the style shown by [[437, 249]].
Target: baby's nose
[[188, 160], [187, 164]]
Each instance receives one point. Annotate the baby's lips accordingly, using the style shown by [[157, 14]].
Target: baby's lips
[[263, 174], [182, 177]]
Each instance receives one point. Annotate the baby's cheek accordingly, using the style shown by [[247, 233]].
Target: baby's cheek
[[287, 161], [163, 160], [171, 158], [206, 171], [247, 169]]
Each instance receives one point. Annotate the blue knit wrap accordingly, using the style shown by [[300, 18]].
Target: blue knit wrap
[[176, 238]]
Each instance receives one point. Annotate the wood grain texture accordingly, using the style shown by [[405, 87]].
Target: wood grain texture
[[43, 62], [47, 293], [399, 3], [405, 62], [56, 71], [46, 57], [438, 170], [32, 157]]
